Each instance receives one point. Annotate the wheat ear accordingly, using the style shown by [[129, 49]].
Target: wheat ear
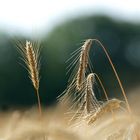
[[91, 101], [32, 65], [86, 100], [90, 95], [31, 59], [108, 106], [83, 62]]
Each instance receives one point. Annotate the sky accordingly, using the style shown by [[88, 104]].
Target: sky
[[24, 16]]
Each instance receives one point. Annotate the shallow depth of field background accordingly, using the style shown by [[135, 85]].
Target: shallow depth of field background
[[61, 27]]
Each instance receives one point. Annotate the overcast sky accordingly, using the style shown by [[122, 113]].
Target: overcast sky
[[28, 15]]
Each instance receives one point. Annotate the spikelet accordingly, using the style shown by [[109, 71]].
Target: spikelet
[[83, 63]]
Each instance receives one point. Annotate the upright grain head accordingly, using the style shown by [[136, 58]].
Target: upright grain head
[[32, 64], [31, 58]]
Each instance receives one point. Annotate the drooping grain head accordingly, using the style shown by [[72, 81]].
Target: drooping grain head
[[106, 107], [90, 80], [91, 101], [112, 104], [83, 63]]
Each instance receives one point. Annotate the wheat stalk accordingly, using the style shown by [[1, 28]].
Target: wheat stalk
[[84, 63], [31, 59], [84, 92]]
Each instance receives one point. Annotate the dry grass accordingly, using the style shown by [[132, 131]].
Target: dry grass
[[54, 126]]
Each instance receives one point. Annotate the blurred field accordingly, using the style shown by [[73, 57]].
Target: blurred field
[[26, 125]]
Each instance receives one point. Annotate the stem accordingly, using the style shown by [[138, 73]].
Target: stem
[[102, 86], [106, 96], [39, 103], [116, 74]]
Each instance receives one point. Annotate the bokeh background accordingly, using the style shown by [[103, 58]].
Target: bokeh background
[[60, 27]]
